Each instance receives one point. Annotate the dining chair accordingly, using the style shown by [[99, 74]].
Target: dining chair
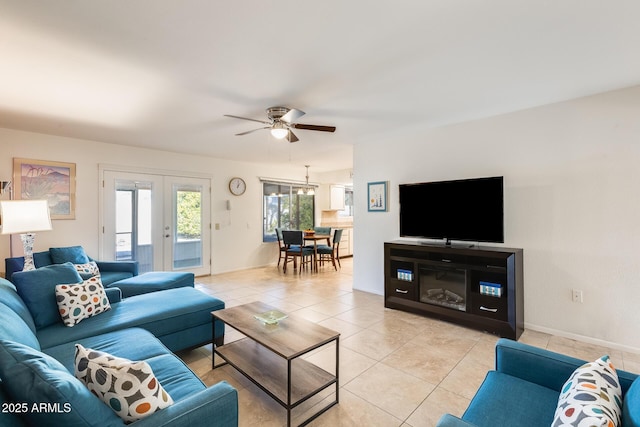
[[326, 252], [293, 241], [281, 246]]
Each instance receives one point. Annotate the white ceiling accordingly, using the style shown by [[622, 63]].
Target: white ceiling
[[162, 73]]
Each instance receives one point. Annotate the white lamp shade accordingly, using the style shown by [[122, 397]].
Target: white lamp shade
[[279, 132], [24, 216]]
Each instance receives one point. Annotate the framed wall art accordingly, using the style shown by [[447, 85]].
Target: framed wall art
[[46, 180], [377, 196]]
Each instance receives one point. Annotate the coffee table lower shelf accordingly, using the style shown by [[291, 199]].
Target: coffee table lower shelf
[[289, 382]]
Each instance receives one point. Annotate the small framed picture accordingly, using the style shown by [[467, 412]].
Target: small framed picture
[[377, 196], [51, 181]]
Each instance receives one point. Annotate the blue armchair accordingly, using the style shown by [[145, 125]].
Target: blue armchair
[[524, 388]]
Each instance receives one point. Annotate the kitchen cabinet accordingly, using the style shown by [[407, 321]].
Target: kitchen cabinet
[[336, 197]]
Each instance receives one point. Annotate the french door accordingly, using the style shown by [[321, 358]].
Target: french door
[[161, 221]]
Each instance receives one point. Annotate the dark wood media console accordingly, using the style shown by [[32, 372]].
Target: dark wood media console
[[480, 287]]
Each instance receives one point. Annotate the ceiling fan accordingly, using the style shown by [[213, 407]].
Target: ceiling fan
[[281, 121]]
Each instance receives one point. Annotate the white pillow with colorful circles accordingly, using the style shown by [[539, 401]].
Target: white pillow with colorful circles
[[87, 270], [592, 396], [129, 388], [81, 301]]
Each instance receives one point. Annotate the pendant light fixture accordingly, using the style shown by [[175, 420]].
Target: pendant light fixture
[[308, 190]]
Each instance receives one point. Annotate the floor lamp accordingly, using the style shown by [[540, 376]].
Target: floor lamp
[[25, 217]]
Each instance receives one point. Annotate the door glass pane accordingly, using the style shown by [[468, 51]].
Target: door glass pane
[[144, 247], [187, 250], [133, 243], [124, 225]]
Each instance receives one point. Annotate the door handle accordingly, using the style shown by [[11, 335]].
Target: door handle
[[167, 235], [493, 310], [400, 291]]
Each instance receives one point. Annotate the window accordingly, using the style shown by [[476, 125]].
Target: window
[[283, 207]]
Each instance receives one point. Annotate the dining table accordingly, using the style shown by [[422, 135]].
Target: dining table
[[315, 238]]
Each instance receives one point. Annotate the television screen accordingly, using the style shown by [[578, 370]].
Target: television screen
[[467, 209]]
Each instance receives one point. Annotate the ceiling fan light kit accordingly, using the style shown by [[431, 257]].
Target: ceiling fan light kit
[[281, 121], [279, 131]]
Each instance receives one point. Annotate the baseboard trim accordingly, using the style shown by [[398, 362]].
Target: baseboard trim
[[583, 338]]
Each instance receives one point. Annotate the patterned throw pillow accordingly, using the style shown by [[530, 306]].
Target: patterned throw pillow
[[87, 270], [129, 388], [591, 397], [81, 301]]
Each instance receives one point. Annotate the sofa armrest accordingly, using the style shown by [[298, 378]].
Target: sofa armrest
[[128, 266], [448, 420], [214, 406], [114, 295]]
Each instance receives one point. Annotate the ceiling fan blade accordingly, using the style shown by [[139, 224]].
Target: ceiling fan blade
[[292, 115], [291, 137], [314, 127], [246, 118], [249, 131]]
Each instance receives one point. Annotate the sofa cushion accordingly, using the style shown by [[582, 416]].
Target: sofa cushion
[[179, 381], [128, 387], [631, 405], [592, 395], [10, 298], [33, 377], [9, 416], [72, 254], [81, 301], [14, 328], [531, 404], [116, 342], [37, 290]]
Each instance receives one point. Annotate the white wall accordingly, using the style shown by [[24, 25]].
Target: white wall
[[572, 201], [238, 243]]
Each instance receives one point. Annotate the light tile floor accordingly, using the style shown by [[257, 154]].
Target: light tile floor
[[396, 368]]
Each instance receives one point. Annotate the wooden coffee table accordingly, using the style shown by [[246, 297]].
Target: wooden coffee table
[[270, 355]]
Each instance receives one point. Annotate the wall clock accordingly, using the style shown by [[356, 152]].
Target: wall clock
[[237, 186]]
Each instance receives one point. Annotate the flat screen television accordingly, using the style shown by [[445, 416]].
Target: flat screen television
[[466, 209]]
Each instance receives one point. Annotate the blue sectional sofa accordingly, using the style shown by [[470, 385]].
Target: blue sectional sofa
[[524, 389], [37, 385]]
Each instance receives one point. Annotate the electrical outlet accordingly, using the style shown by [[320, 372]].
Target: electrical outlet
[[576, 295]]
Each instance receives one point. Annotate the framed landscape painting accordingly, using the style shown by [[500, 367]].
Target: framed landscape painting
[[377, 192], [45, 180]]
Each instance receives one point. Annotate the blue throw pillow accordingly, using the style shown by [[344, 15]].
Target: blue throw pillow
[[72, 254], [34, 378], [37, 288]]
